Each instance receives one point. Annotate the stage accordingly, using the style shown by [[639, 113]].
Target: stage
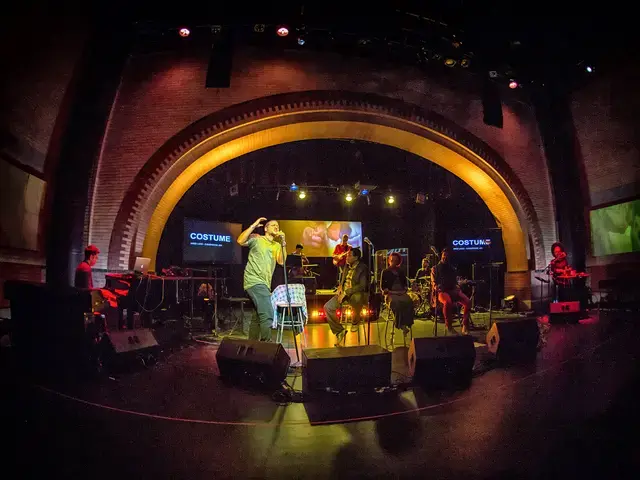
[[563, 416]]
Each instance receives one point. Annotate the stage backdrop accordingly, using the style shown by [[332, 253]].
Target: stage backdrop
[[616, 229], [320, 237]]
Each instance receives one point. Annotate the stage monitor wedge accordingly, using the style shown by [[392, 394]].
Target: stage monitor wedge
[[442, 362], [345, 369], [252, 363], [514, 340]]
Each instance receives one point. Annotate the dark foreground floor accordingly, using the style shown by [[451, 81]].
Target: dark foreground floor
[[573, 415]]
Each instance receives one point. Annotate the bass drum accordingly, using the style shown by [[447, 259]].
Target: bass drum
[[416, 298]]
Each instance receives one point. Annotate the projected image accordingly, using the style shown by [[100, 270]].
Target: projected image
[[616, 229], [320, 237], [211, 242]]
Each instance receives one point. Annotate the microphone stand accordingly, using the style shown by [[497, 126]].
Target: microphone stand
[[289, 309], [370, 257]]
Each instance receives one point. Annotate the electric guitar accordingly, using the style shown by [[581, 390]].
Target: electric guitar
[[339, 257]]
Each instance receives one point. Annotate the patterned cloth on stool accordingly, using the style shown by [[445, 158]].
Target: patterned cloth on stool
[[299, 314]]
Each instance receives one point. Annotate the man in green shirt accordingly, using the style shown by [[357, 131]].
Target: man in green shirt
[[264, 251]]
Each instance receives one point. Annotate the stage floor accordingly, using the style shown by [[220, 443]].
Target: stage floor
[[569, 414]]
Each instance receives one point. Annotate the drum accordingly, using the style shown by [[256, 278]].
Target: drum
[[415, 297]]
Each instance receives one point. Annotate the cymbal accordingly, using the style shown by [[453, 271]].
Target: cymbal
[[312, 265], [423, 278], [567, 277]]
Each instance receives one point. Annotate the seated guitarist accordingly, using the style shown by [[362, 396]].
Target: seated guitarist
[[445, 284], [340, 256]]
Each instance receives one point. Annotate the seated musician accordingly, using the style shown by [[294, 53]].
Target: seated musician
[[104, 301], [299, 269], [394, 286], [422, 275], [559, 267], [84, 275], [445, 281]]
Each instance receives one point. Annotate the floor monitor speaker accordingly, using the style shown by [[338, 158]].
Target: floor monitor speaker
[[345, 369], [442, 361], [260, 364], [514, 340]]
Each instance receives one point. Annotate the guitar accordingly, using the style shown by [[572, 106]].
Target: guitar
[[339, 257]]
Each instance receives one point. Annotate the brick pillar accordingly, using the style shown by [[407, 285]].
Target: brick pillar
[[553, 111], [96, 80]]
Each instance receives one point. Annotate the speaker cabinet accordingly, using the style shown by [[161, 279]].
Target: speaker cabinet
[[514, 340], [564, 312], [260, 364], [128, 347], [442, 361], [345, 369]]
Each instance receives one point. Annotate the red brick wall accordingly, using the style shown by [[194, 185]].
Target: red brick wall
[[162, 94], [606, 116]]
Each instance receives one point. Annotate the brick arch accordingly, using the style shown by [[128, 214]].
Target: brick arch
[[321, 108]]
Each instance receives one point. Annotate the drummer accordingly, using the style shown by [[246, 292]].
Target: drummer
[[422, 276], [560, 270]]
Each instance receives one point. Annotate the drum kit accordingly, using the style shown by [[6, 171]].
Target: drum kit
[[420, 293]]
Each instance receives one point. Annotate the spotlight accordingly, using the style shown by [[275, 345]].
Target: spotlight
[[293, 187], [259, 28], [348, 197], [391, 199], [450, 62], [513, 84], [589, 69], [302, 194], [282, 31], [301, 41], [464, 63], [184, 32]]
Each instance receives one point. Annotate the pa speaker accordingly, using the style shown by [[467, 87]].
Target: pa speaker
[[514, 340], [259, 364], [442, 361], [344, 370], [491, 104], [220, 60], [128, 347]]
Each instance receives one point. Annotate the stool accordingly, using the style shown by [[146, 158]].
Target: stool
[[295, 320], [390, 319], [361, 324]]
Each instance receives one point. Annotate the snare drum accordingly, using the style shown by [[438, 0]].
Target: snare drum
[[415, 297]]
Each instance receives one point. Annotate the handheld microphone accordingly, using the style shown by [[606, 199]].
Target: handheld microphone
[[435, 252], [367, 241]]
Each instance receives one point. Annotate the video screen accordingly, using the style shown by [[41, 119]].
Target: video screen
[[616, 229], [211, 242], [319, 238], [476, 245]]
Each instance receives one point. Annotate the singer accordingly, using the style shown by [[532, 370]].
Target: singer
[[264, 251]]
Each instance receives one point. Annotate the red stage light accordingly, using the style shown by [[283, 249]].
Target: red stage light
[[282, 31], [184, 32], [513, 84]]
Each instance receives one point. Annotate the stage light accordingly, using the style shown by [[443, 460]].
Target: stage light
[[282, 31], [589, 69], [364, 191], [301, 41], [348, 197], [464, 63], [391, 199], [302, 194], [184, 32], [293, 187], [450, 62], [259, 28], [513, 84]]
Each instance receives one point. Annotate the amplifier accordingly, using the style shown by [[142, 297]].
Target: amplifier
[[564, 307]]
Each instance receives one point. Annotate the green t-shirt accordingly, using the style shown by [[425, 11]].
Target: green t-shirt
[[261, 262]]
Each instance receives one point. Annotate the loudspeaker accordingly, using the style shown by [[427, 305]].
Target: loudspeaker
[[442, 361], [220, 59], [347, 369], [564, 312], [310, 285], [252, 362], [491, 104], [514, 340], [122, 347]]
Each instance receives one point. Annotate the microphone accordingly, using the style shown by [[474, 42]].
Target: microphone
[[435, 252], [367, 241]]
